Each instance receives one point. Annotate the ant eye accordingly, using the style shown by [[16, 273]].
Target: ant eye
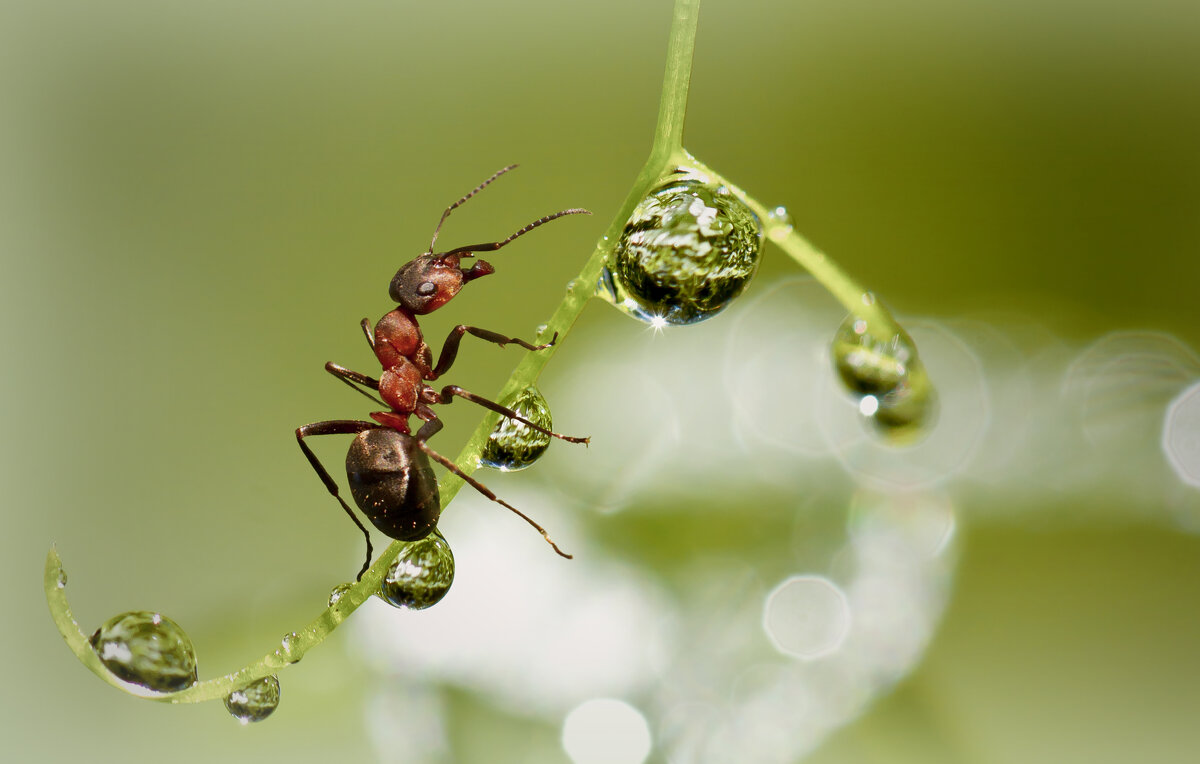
[[427, 288]]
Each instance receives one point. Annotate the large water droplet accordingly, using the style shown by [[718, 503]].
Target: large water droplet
[[147, 649], [254, 702], [421, 575], [515, 445], [687, 250], [869, 364]]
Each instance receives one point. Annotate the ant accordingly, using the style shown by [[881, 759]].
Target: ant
[[388, 467]]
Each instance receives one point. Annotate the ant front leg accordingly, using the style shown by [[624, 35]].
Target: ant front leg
[[449, 391], [335, 427], [450, 348], [355, 381], [431, 427]]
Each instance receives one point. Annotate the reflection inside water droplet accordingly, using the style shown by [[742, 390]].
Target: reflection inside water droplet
[[421, 575], [687, 250], [514, 445], [254, 702], [147, 649]]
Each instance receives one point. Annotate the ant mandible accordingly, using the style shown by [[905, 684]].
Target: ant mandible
[[388, 467]]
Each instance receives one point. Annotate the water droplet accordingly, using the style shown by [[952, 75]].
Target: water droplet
[[288, 647], [335, 596], [687, 250], [782, 223], [542, 329], [421, 575], [254, 702], [147, 649], [570, 285], [515, 445], [868, 364]]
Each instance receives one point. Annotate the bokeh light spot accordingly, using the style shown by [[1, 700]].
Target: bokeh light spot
[[807, 617], [606, 731], [1181, 435]]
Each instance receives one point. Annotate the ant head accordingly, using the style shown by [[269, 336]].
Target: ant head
[[429, 281]]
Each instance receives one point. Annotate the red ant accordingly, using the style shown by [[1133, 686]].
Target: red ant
[[387, 466]]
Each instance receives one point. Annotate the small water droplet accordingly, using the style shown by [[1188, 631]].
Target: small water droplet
[[147, 649], [687, 250], [781, 221], [288, 647], [421, 575], [515, 445], [871, 365], [542, 329], [254, 702], [570, 285], [335, 596]]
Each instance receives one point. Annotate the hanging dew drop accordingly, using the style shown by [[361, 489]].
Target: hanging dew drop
[[687, 250], [148, 650], [514, 445], [868, 364], [421, 575], [254, 702], [906, 413]]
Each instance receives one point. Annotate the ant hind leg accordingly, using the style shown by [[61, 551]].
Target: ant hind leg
[[336, 427], [429, 429], [449, 391]]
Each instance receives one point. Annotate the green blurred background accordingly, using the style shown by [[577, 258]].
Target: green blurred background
[[199, 202]]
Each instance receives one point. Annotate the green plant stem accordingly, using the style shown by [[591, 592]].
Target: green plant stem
[[667, 143], [845, 289]]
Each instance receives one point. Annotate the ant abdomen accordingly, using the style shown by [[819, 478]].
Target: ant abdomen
[[393, 483]]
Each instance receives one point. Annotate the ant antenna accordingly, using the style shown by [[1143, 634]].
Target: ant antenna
[[452, 207], [492, 246]]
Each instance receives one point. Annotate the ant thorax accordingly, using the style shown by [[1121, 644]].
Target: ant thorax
[[397, 337]]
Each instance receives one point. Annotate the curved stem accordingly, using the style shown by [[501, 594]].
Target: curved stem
[[857, 300], [667, 144]]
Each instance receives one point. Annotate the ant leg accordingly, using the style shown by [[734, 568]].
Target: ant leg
[[432, 427], [450, 349], [335, 427], [494, 245], [366, 327], [353, 378], [469, 194], [449, 391]]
